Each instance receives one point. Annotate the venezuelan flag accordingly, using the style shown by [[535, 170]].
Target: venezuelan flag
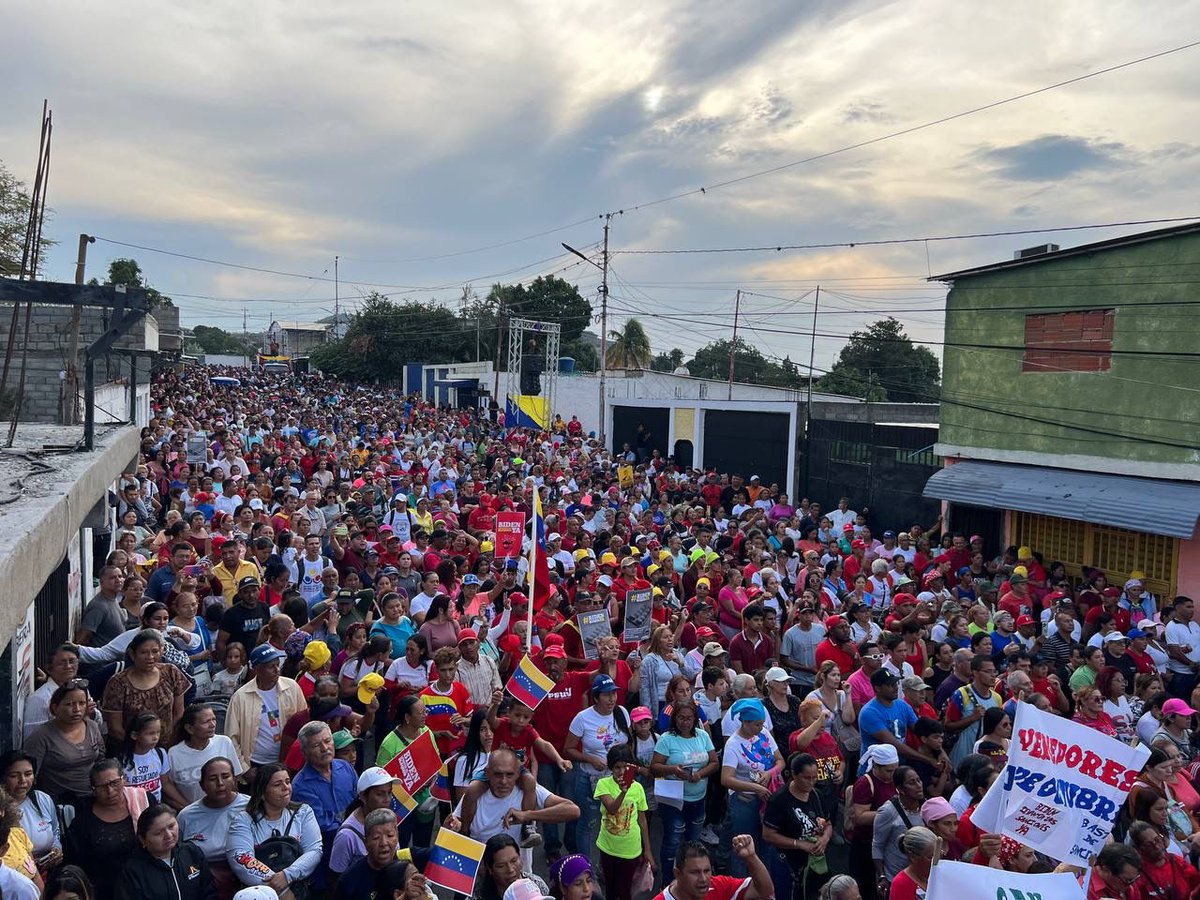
[[436, 705], [404, 803], [440, 788], [539, 567], [529, 684], [454, 861]]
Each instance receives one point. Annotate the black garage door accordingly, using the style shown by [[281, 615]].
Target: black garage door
[[626, 420], [747, 443]]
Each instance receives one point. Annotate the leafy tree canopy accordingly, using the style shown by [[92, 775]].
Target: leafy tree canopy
[[129, 273], [668, 361], [14, 220], [218, 340], [884, 358], [629, 347]]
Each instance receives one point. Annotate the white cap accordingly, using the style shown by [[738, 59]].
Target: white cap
[[256, 892], [605, 580], [776, 673], [553, 537], [374, 777]]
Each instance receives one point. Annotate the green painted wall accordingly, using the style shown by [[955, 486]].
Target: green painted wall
[[1139, 398]]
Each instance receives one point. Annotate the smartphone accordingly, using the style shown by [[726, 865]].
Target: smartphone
[[193, 571], [628, 776]]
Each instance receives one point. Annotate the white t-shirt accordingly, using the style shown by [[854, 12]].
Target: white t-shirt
[[1184, 636], [597, 735], [749, 756], [419, 605], [186, 764], [402, 673], [270, 729], [146, 771], [15, 886], [491, 810], [1122, 717]]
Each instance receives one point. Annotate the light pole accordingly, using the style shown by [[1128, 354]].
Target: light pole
[[603, 267]]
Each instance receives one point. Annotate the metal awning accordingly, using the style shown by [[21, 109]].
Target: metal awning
[[1151, 505]]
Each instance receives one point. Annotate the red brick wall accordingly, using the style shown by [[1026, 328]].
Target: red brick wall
[[1069, 342]]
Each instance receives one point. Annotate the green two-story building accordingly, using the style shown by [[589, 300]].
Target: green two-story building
[[1070, 417]]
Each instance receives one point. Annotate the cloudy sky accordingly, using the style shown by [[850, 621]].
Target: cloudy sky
[[424, 143]]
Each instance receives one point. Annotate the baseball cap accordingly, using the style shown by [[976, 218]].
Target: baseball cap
[[368, 686], [511, 565], [486, 547], [640, 714], [832, 622], [471, 579], [256, 892], [608, 559], [602, 684], [1017, 579], [467, 634], [344, 596], [777, 673], [605, 580], [1136, 633], [256, 503], [883, 678], [248, 581], [712, 648], [218, 541], [629, 561], [265, 653], [554, 652], [374, 777], [705, 631], [342, 738], [903, 598], [555, 536], [915, 683], [1176, 707], [889, 534], [317, 654], [858, 544], [1024, 620], [1114, 637]]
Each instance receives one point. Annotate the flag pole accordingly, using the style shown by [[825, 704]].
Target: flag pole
[[535, 507]]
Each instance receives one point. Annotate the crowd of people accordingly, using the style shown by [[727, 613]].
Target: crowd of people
[[305, 581]]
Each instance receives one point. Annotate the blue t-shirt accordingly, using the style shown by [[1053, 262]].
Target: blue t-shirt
[[691, 753], [895, 718]]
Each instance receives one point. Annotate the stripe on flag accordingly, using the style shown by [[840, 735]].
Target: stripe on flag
[[454, 861], [529, 684]]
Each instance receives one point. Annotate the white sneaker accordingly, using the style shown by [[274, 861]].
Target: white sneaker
[[708, 836]]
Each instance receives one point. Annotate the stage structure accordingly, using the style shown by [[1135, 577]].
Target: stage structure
[[532, 373]]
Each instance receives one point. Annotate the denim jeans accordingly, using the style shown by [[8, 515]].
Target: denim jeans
[[551, 777], [744, 817], [584, 796], [678, 825]]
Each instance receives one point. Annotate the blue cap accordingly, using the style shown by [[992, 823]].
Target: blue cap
[[889, 534], [964, 570], [471, 579], [748, 709], [265, 653], [1136, 633], [602, 684], [511, 565]]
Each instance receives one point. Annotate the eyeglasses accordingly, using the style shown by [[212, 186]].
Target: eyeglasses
[[112, 785], [76, 684], [874, 656]]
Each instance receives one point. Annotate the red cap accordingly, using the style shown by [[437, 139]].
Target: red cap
[[467, 634], [930, 576], [509, 643], [847, 527], [903, 598], [218, 540], [554, 652], [856, 544], [833, 622], [1054, 595], [518, 598], [1024, 620], [705, 632], [1111, 592], [553, 640]]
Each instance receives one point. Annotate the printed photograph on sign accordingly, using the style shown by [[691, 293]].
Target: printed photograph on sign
[[593, 626], [637, 615]]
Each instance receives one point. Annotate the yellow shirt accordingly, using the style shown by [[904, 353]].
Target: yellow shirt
[[19, 857], [229, 580]]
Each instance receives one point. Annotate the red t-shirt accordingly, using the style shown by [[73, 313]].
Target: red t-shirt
[[553, 716], [624, 673], [1173, 878], [520, 744], [1120, 617], [844, 660], [440, 707], [722, 887], [904, 888], [1016, 606]]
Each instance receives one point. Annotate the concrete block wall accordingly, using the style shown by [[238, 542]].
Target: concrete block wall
[[47, 344]]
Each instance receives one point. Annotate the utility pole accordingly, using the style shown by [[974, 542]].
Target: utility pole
[[737, 305], [71, 385], [337, 308], [245, 328], [603, 267], [812, 352], [499, 292]]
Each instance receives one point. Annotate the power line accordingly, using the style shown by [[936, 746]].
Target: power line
[[913, 240], [911, 129]]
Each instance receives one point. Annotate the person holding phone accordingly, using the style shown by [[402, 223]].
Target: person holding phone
[[624, 838]]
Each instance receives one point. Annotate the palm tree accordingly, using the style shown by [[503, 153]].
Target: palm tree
[[629, 347]]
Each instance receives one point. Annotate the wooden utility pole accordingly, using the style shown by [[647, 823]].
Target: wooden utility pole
[[604, 333], [71, 384], [737, 306]]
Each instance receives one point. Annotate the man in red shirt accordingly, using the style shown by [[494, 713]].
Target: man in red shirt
[[552, 719], [1017, 601], [837, 646], [1110, 603], [1116, 874], [694, 878], [751, 649]]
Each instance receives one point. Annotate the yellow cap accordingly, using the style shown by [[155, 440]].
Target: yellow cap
[[608, 559], [1020, 570], [1024, 553], [652, 569], [486, 547], [317, 655], [368, 686]]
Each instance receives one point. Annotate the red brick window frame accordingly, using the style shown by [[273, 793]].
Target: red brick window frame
[[1079, 341]]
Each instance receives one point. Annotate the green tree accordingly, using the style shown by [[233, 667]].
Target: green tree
[[750, 365], [850, 382], [129, 273], [629, 347], [218, 340], [586, 357], [14, 220], [885, 356], [668, 361], [384, 336], [547, 299]]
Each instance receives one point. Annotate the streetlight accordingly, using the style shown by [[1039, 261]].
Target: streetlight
[[603, 267]]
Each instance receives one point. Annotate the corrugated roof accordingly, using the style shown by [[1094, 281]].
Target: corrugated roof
[[1125, 241], [1151, 505]]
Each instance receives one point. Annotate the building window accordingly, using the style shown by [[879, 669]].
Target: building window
[[1115, 551], [1069, 342]]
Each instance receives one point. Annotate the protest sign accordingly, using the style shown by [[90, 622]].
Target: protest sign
[[197, 450], [1062, 788], [593, 626], [510, 532], [955, 880], [625, 476], [637, 615]]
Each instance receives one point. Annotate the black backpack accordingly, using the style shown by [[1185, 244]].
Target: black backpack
[[281, 850]]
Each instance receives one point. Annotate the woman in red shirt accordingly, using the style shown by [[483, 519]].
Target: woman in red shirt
[[1089, 711], [918, 844]]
